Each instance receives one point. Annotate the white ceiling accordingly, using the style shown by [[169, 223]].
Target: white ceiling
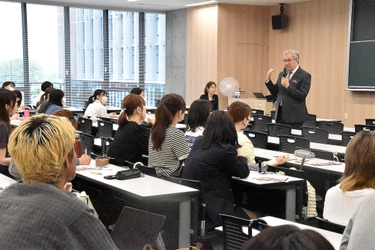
[[153, 5]]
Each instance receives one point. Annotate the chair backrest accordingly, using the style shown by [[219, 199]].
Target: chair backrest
[[315, 134], [332, 127], [258, 139], [147, 170], [276, 129], [257, 111], [346, 136], [310, 121], [273, 113], [135, 228], [87, 143], [234, 237], [105, 145], [198, 207], [260, 123], [330, 226], [289, 143], [84, 125], [323, 154], [369, 121], [360, 127], [105, 129]]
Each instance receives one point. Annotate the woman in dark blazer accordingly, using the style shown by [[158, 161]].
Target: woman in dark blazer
[[209, 94], [213, 160]]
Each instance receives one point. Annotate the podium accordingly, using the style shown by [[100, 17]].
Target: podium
[[255, 103]]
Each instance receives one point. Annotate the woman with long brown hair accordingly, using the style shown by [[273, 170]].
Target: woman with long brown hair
[[167, 146], [8, 107]]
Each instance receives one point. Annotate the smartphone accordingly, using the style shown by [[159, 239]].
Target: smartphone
[[110, 177]]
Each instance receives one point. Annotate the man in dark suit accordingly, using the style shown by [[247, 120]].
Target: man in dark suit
[[291, 90]]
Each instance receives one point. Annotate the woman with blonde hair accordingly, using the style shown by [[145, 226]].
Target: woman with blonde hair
[[167, 146], [357, 182], [131, 138]]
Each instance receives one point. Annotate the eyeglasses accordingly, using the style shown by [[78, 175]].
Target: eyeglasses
[[288, 60]]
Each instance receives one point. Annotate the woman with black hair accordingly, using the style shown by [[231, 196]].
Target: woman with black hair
[[213, 161], [55, 101], [196, 121], [96, 104]]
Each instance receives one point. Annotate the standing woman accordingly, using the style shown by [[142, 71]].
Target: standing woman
[[8, 107], [55, 101], [213, 161], [209, 94], [131, 138], [167, 146], [96, 104]]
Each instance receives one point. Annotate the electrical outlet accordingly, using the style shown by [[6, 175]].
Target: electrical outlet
[[346, 116]]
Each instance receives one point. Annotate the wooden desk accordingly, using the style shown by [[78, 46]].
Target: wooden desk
[[147, 193], [272, 181], [255, 103]]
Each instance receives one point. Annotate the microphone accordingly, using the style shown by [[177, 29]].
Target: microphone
[[285, 73]]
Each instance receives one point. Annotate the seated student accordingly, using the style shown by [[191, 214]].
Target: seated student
[[131, 139], [167, 146], [8, 107], [287, 237], [40, 213], [213, 161], [241, 114], [357, 181], [360, 230], [198, 113], [43, 88], [9, 85], [138, 91], [96, 104], [42, 104], [84, 159], [20, 107], [55, 101]]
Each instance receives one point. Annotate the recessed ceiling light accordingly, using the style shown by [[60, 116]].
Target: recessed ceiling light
[[200, 3], [133, 0]]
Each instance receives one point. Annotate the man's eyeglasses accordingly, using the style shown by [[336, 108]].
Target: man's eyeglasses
[[288, 60]]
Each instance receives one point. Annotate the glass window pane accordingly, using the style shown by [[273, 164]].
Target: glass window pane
[[46, 47], [11, 52], [86, 41]]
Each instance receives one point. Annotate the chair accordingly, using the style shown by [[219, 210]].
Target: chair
[[289, 143], [105, 129], [234, 237], [276, 129], [346, 136], [332, 127], [322, 154], [315, 134], [135, 228], [84, 125], [330, 226], [360, 127], [147, 170], [260, 123], [257, 112], [310, 121], [105, 145], [370, 121], [258, 139], [87, 143], [273, 113]]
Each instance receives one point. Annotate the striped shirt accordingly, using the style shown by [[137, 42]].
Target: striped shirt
[[174, 149]]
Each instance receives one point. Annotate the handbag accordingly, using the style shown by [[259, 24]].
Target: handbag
[[128, 174]]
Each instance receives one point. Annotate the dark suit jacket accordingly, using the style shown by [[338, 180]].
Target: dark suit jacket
[[294, 97], [214, 102]]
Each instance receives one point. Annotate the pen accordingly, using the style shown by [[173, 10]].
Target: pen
[[85, 151], [286, 179]]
